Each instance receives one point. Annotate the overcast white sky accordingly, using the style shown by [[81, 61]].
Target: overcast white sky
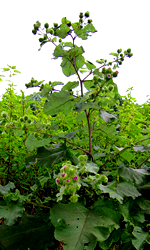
[[120, 24]]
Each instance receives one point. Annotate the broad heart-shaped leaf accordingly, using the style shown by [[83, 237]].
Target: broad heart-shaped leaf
[[109, 130], [68, 68], [18, 132], [48, 156], [87, 105], [88, 84], [5, 189], [70, 85], [80, 228], [140, 238], [127, 189], [60, 52], [107, 116], [92, 167], [127, 155], [61, 101], [133, 175], [11, 212], [110, 189], [32, 232], [83, 33], [32, 142], [63, 30]]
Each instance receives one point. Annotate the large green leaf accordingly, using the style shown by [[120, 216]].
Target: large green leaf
[[70, 85], [83, 33], [32, 232], [127, 189], [67, 67], [63, 30], [110, 189], [140, 238], [132, 174], [48, 156], [61, 101], [32, 142], [11, 212], [60, 52], [5, 189], [80, 228]]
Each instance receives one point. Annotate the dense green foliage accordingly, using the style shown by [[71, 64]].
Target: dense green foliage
[[74, 164]]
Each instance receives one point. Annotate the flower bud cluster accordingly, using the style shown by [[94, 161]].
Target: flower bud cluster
[[25, 118], [68, 178], [4, 115]]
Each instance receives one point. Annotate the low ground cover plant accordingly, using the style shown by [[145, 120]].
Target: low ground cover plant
[[74, 165]]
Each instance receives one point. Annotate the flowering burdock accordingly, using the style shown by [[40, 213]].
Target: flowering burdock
[[63, 174], [75, 178], [57, 180], [67, 180], [64, 166]]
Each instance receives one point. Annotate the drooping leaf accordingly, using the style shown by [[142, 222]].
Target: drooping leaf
[[132, 174], [88, 84], [127, 189], [60, 52], [140, 238], [107, 117], [127, 155], [70, 85], [61, 101], [11, 212], [110, 189], [32, 232], [92, 168], [32, 142], [62, 32], [5, 189], [90, 65], [48, 156], [67, 67], [18, 132], [82, 227]]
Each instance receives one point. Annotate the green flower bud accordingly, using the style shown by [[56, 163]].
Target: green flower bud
[[89, 20], [21, 119], [81, 15], [29, 121], [110, 87], [104, 178], [119, 50], [104, 70], [46, 25], [41, 39], [82, 158], [74, 198], [45, 37], [77, 186], [122, 59], [120, 62], [87, 14], [60, 40], [55, 25], [81, 20], [4, 114], [68, 23], [26, 118], [34, 31], [130, 54], [129, 50]]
